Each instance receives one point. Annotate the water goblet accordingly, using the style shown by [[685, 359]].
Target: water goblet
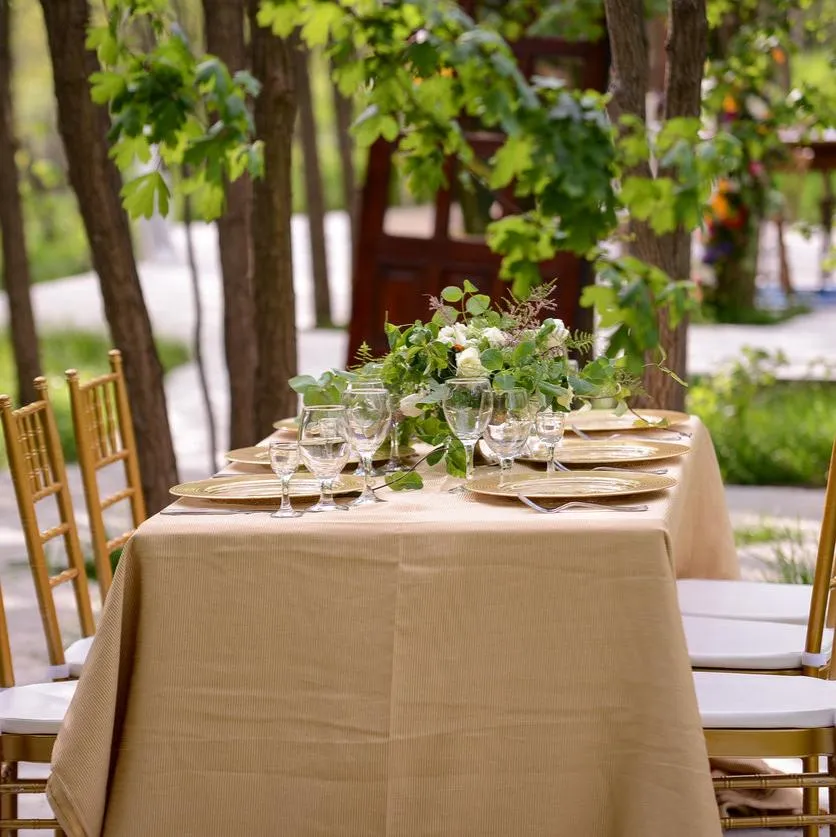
[[358, 385], [284, 460], [549, 426], [509, 427], [394, 464], [368, 417], [467, 406], [323, 444]]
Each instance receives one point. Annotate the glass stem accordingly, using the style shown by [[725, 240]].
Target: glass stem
[[469, 448], [550, 469], [366, 461], [286, 492], [504, 468], [327, 492], [394, 443]]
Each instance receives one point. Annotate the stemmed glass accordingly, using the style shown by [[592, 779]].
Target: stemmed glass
[[509, 427], [358, 385], [284, 460], [549, 427], [467, 408], [323, 444], [368, 417]]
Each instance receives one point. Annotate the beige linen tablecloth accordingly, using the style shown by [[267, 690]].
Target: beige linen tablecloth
[[438, 665]]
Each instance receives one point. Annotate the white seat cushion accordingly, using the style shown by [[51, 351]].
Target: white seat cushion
[[38, 709], [753, 601], [76, 655], [764, 701], [734, 644]]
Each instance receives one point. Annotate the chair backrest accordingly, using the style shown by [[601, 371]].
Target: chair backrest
[[7, 674], [37, 467], [821, 604], [104, 435]]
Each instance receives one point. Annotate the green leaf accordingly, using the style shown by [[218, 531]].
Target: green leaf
[[469, 287], [320, 19], [451, 294], [105, 86], [406, 481], [138, 195], [300, 383], [477, 304], [510, 160], [492, 359]]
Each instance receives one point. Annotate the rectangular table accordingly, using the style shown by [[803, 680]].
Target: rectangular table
[[435, 665]]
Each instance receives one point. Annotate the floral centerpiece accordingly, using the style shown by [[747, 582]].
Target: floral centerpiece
[[513, 344]]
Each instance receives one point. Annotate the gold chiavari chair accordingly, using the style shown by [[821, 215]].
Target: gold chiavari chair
[[774, 647], [749, 647], [37, 468], [104, 436], [30, 718]]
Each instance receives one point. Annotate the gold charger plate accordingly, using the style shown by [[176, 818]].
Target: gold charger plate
[[593, 421], [259, 455], [572, 485], [260, 487], [609, 451]]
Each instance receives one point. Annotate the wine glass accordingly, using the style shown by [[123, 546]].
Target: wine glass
[[509, 427], [323, 444], [358, 385], [549, 426], [284, 460], [368, 417], [467, 408]]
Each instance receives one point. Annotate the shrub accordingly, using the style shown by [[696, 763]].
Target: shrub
[[765, 431]]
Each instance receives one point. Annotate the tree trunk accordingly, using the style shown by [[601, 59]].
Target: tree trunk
[[343, 111], [686, 50], [197, 345], [95, 180], [275, 315], [224, 23], [313, 189], [16, 278]]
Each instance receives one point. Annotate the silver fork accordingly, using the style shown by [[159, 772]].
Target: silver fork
[[561, 467], [577, 504], [676, 434]]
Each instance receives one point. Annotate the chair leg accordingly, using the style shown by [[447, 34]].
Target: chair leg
[[8, 801], [810, 800]]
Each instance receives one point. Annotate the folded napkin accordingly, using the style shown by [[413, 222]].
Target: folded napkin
[[753, 802]]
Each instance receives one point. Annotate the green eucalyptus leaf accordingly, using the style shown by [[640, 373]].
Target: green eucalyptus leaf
[[451, 294]]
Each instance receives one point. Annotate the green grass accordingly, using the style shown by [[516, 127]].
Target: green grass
[[71, 349], [790, 557], [783, 435]]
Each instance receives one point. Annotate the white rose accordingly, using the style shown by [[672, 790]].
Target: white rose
[[496, 337], [557, 339], [409, 404], [469, 364], [454, 335]]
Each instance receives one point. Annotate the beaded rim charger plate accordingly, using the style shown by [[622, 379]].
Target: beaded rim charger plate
[[572, 485], [609, 451], [260, 487], [605, 420]]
